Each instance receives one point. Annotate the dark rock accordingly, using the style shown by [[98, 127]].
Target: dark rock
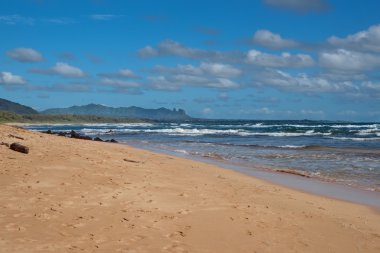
[[19, 148], [84, 137], [61, 134], [97, 139], [74, 134], [113, 141]]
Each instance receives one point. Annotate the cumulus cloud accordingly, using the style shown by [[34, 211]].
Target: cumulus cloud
[[218, 69], [285, 60], [204, 69], [7, 78], [211, 75], [345, 60], [117, 83], [268, 39], [176, 82], [368, 40], [25, 55], [61, 69], [122, 73], [299, 5], [173, 48], [300, 82]]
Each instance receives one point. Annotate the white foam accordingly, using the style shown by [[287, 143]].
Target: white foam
[[355, 139], [292, 146]]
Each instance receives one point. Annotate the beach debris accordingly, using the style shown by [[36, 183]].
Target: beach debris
[[14, 136], [293, 172], [19, 148], [131, 161]]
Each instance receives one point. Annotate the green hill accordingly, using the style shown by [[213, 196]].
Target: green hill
[[11, 117], [9, 106]]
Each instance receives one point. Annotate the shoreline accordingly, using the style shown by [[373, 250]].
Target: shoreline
[[310, 185], [69, 194]]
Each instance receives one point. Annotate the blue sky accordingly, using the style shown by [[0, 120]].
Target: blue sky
[[264, 59]]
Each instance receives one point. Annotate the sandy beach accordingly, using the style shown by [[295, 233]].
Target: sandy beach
[[71, 195]]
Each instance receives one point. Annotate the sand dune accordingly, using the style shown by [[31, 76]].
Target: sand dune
[[71, 195]]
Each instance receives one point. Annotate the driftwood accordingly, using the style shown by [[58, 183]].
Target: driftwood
[[293, 172], [131, 161], [19, 148], [14, 136]]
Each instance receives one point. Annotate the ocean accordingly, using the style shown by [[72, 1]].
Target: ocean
[[342, 153]]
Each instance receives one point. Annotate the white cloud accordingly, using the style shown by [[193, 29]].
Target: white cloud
[[162, 83], [65, 69], [7, 78], [62, 69], [126, 73], [212, 75], [25, 55], [122, 73], [218, 69], [119, 83], [147, 51], [268, 39], [204, 69], [345, 60], [285, 60], [176, 82], [300, 82], [299, 5], [368, 40], [173, 48]]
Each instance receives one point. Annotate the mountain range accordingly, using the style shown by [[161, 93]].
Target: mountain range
[[121, 112], [131, 112]]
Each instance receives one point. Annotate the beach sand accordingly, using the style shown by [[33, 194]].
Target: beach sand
[[71, 195]]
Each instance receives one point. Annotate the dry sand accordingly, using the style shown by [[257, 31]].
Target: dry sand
[[71, 195]]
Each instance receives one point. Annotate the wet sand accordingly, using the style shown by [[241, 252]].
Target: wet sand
[[71, 195]]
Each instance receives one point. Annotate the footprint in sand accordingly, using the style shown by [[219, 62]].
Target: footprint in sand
[[175, 248], [14, 227], [184, 211]]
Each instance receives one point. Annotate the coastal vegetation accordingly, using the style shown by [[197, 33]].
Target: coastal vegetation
[[11, 117]]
